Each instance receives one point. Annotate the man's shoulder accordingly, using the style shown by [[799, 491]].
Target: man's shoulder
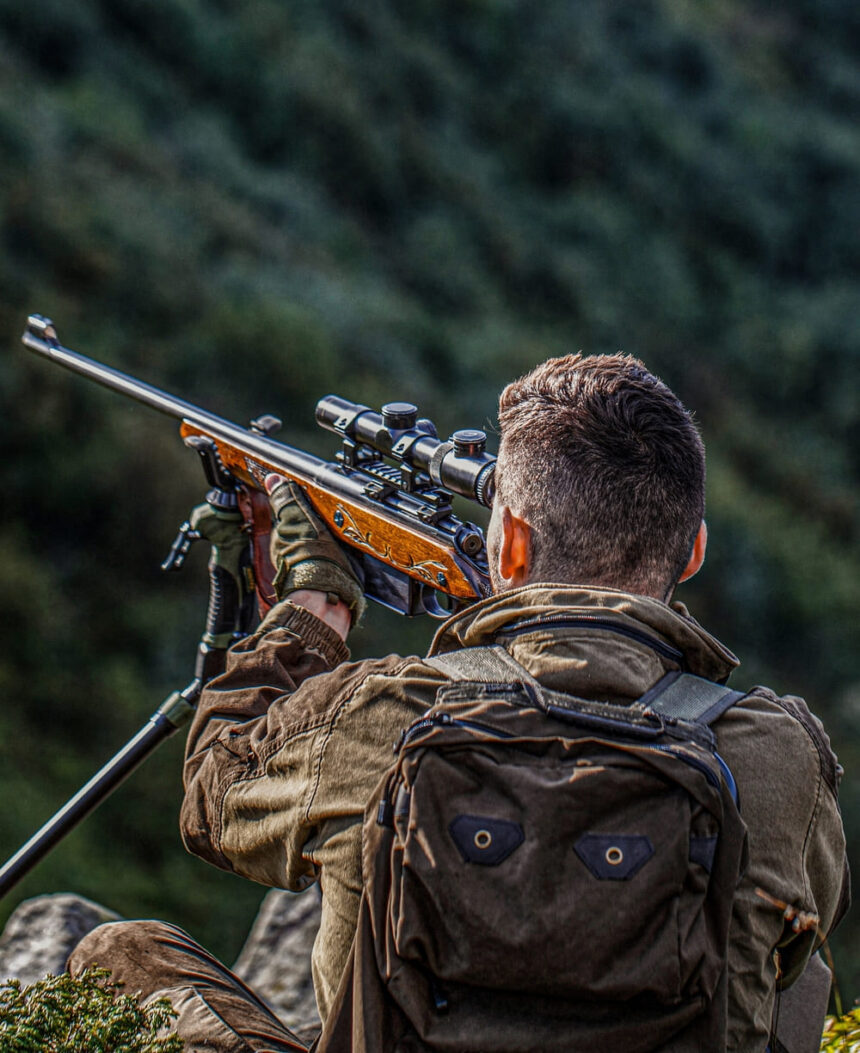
[[395, 682], [779, 737], [408, 670]]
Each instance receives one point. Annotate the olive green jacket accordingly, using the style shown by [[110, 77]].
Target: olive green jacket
[[289, 743]]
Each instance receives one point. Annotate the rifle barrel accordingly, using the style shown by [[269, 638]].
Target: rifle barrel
[[40, 336]]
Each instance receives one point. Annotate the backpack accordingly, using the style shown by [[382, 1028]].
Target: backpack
[[544, 872]]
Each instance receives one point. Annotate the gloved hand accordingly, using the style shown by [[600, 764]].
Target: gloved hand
[[220, 526], [304, 552]]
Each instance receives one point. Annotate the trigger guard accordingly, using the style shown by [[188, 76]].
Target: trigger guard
[[432, 606]]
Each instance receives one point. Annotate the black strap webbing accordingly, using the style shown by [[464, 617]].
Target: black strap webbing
[[486, 665], [681, 696], [691, 698]]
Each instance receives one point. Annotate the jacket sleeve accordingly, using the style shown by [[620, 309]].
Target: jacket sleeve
[[827, 890], [275, 691], [787, 776]]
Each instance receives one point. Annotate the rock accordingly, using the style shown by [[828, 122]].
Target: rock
[[41, 933], [276, 959]]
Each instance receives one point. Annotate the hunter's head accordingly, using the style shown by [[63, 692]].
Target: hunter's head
[[600, 479]]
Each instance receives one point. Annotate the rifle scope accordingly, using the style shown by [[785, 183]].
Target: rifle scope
[[460, 465]]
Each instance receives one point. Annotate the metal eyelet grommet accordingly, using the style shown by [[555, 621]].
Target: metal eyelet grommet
[[614, 856], [483, 839]]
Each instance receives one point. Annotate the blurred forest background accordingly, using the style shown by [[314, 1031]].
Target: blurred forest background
[[253, 203]]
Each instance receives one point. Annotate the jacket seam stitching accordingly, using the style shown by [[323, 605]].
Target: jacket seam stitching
[[816, 745], [218, 841], [807, 891], [228, 785]]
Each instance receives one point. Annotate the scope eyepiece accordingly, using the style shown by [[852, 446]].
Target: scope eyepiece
[[460, 465]]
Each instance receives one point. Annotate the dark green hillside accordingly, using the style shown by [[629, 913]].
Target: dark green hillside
[[255, 203]]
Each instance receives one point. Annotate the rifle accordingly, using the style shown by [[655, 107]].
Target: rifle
[[386, 496]]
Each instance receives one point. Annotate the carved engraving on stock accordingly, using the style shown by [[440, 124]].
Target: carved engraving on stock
[[428, 569], [405, 549], [256, 470]]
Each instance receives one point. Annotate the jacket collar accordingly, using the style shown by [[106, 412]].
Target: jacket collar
[[584, 639]]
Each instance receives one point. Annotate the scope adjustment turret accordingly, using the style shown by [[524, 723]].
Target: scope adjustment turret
[[399, 416], [469, 442]]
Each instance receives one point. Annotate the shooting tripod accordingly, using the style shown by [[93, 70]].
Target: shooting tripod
[[229, 616]]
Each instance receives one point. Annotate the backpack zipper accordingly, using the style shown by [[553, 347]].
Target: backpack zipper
[[704, 769], [446, 720], [385, 812], [591, 621]]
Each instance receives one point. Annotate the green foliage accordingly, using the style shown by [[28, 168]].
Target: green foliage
[[64, 1015], [842, 1033]]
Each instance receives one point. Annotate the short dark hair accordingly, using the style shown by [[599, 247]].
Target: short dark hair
[[608, 468]]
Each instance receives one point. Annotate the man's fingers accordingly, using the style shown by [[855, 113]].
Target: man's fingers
[[286, 494], [279, 490]]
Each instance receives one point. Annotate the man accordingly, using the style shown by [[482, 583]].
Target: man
[[598, 516]]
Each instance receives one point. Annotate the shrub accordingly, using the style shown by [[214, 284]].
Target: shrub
[[842, 1033], [64, 1015]]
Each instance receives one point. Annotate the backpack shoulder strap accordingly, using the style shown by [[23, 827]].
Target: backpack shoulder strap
[[690, 698], [487, 665]]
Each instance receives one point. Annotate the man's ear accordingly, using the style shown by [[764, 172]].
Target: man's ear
[[697, 556], [515, 551]]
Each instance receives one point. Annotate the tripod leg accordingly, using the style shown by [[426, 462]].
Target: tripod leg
[[168, 718], [228, 618]]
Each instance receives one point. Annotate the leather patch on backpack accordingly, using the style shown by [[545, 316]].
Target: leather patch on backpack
[[485, 841], [614, 857]]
